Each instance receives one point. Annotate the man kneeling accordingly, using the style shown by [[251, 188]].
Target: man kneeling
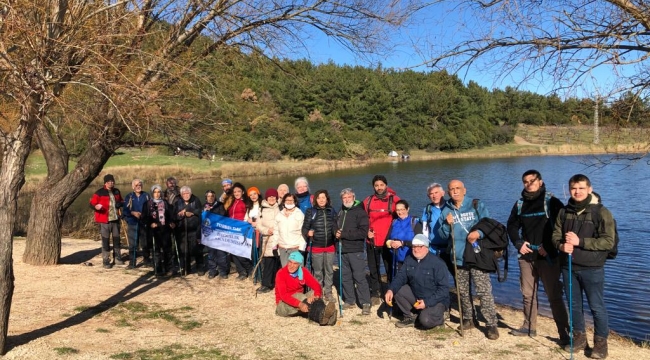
[[421, 287], [290, 299]]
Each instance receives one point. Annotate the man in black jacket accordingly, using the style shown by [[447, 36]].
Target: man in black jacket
[[187, 212], [421, 287], [534, 215], [352, 227]]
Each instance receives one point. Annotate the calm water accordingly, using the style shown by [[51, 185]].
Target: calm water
[[497, 182]]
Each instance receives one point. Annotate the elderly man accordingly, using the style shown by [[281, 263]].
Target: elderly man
[[187, 213], [171, 193], [289, 298], [106, 203], [137, 234], [421, 287], [456, 222], [352, 227]]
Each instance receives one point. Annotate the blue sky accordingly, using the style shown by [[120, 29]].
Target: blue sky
[[439, 26]]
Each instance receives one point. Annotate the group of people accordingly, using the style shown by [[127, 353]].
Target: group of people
[[302, 234]]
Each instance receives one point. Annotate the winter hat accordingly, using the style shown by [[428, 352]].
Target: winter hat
[[381, 178], [108, 177], [270, 192], [420, 239], [251, 189], [226, 181]]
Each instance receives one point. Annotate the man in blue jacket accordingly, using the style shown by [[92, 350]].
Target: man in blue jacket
[[421, 287], [459, 216], [137, 233]]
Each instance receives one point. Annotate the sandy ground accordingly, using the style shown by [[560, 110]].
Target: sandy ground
[[76, 311]]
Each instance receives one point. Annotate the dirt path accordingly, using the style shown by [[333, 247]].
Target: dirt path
[[75, 311]]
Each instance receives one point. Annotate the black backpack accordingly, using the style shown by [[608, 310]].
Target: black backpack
[[494, 246], [596, 218]]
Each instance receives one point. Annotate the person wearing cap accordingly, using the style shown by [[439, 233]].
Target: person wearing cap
[[421, 287], [136, 227], [290, 298], [226, 185], [266, 227], [380, 208], [106, 202]]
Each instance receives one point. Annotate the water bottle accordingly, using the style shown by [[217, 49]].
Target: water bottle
[[476, 247]]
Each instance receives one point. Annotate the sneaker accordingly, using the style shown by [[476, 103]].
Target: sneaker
[[492, 332], [348, 306], [366, 309], [242, 277], [107, 266], [375, 300], [407, 322], [330, 310], [467, 324], [523, 332], [263, 289]]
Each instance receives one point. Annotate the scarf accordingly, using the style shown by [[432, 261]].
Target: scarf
[[529, 196], [157, 210], [579, 206]]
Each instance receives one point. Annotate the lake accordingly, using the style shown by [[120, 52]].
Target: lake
[[498, 183]]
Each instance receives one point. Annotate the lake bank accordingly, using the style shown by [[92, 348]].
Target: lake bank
[[129, 314]]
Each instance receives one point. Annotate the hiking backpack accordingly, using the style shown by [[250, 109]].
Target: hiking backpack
[[494, 246], [547, 207], [596, 218], [390, 204]]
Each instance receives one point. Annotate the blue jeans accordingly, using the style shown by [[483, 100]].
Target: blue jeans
[[592, 282]]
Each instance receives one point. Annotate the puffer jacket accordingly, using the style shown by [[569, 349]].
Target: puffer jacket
[[288, 229], [264, 224], [102, 197], [353, 223], [323, 222]]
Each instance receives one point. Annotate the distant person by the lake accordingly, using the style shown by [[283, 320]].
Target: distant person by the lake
[[459, 216], [584, 233], [106, 203], [380, 207], [530, 227]]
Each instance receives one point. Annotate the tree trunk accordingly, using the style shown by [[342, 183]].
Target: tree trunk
[[15, 149], [59, 190]]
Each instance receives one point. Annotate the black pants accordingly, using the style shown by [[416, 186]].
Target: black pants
[[188, 247], [162, 251], [244, 265], [218, 260], [270, 267], [375, 256], [429, 317]]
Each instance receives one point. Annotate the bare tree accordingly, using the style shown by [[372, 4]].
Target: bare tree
[[567, 43], [121, 57]]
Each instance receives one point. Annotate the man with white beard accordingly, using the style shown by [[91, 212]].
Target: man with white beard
[[352, 227]]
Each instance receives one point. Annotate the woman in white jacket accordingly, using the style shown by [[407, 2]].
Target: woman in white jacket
[[266, 227], [288, 224]]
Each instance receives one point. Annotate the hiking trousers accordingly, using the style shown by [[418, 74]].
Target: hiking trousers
[[429, 317], [323, 270], [353, 268], [483, 285], [549, 272], [283, 309]]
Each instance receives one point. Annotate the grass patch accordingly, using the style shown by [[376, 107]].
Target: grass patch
[[357, 322], [522, 346], [176, 352], [81, 308], [66, 350], [131, 312], [504, 352], [102, 330]]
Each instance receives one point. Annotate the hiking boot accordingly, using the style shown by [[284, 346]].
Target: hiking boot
[[119, 261], [375, 300], [522, 331], [407, 322], [366, 309], [579, 342], [467, 324], [333, 318], [599, 350], [492, 332], [263, 289], [242, 277], [223, 277], [330, 310], [212, 275], [200, 272], [348, 306]]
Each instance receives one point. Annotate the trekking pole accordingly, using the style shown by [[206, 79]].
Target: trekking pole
[[135, 249], [341, 268], [570, 308], [186, 249], [309, 254], [178, 256], [259, 260], [453, 250], [390, 310], [155, 262]]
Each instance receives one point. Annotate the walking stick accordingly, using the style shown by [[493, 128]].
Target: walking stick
[[259, 261], [186, 250], [345, 213], [570, 308], [390, 310], [311, 243], [137, 237], [155, 262], [178, 256], [256, 256], [453, 250]]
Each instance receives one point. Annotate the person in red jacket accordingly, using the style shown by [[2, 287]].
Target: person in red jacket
[[106, 203], [380, 207], [290, 299]]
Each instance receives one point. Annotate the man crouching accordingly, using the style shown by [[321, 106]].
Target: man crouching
[[290, 299], [421, 287]]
